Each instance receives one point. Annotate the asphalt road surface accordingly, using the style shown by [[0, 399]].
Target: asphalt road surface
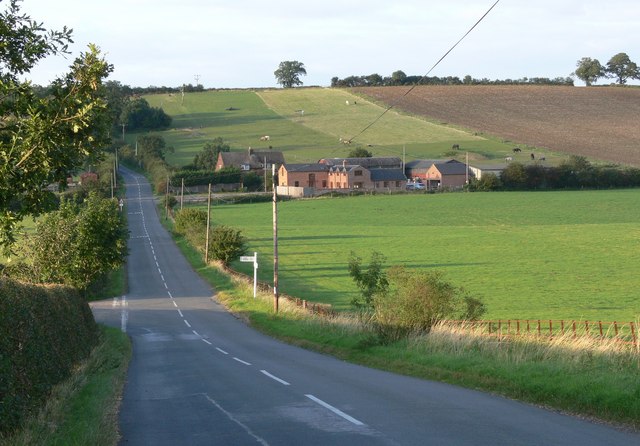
[[199, 376]]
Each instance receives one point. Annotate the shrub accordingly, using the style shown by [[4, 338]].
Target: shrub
[[226, 244], [415, 301], [44, 332]]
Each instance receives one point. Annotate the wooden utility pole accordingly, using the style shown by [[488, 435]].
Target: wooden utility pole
[[206, 243], [166, 201], [275, 240], [181, 193]]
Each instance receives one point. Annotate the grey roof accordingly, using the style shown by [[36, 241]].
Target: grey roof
[[368, 163], [313, 167], [425, 164], [254, 159], [387, 175], [451, 168]]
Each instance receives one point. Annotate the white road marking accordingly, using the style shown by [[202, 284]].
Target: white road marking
[[241, 361], [169, 293], [195, 332], [281, 381], [165, 285], [124, 315], [187, 323], [204, 340], [180, 313], [222, 351], [175, 304], [336, 411], [239, 423]]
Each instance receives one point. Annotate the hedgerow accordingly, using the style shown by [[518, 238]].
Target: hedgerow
[[44, 332]]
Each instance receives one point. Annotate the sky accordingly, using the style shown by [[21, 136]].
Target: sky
[[240, 43]]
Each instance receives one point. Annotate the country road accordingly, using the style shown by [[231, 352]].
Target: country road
[[199, 376]]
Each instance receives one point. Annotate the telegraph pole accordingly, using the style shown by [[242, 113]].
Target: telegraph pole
[[197, 78], [275, 240], [181, 193], [206, 243], [123, 126]]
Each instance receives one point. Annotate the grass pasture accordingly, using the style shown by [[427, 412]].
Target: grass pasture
[[310, 136], [531, 255]]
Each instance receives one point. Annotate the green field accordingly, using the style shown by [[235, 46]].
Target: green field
[[314, 134], [529, 255]]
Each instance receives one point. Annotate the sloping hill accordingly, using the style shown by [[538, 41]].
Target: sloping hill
[[598, 122]]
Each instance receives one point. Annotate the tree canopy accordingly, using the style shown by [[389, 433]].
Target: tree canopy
[[208, 158], [589, 70], [42, 139], [288, 73], [622, 68]]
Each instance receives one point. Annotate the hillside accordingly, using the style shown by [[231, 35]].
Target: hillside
[[598, 122]]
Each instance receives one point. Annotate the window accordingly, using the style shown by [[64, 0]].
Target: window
[[386, 184], [245, 167], [357, 173], [324, 184], [296, 184]]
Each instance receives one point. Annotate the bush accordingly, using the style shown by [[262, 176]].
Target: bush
[[44, 332], [226, 244], [190, 220]]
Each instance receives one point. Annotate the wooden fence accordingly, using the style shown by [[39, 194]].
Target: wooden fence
[[623, 331]]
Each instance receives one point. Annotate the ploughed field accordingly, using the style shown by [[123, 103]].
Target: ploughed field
[[598, 122]]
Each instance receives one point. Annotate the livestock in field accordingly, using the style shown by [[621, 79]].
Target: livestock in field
[[346, 102], [533, 156], [517, 149], [455, 147], [509, 158], [265, 138], [542, 158]]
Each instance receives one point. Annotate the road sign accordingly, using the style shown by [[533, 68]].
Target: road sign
[[254, 259]]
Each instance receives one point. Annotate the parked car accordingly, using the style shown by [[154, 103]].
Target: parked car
[[415, 185]]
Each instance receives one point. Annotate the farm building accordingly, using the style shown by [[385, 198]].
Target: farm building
[[250, 161], [304, 175], [418, 169], [478, 171], [447, 175], [319, 177]]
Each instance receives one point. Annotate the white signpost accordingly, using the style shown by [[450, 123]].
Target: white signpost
[[254, 259]]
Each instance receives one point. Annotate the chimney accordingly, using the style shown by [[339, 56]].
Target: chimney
[[344, 163], [250, 151]]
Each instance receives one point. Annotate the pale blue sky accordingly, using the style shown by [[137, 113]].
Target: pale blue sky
[[239, 43]]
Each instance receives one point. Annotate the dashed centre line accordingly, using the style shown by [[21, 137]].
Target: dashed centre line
[[275, 378], [241, 361]]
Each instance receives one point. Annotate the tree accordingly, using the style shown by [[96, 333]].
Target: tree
[[208, 158], [226, 244], [370, 281], [42, 139], [288, 73], [589, 70], [622, 68], [137, 114], [398, 77], [360, 152], [78, 243]]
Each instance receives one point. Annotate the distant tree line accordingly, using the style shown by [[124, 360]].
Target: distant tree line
[[620, 67], [400, 78], [575, 173]]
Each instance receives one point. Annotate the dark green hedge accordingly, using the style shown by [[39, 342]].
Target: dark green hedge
[[203, 177], [44, 331]]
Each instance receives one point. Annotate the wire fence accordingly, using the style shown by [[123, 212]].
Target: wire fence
[[622, 331]]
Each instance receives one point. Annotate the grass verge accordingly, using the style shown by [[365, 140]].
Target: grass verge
[[585, 379], [83, 410]]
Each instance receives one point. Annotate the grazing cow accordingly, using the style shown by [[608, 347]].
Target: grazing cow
[[455, 147], [346, 102], [516, 150], [509, 158], [265, 138], [542, 158], [533, 156]]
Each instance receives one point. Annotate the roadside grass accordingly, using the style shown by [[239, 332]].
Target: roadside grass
[[530, 255], [581, 376], [83, 410], [313, 135]]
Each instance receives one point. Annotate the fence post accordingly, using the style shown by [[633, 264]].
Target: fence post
[[550, 328], [574, 328], [633, 332], [562, 326], [528, 328], [518, 326], [586, 327], [539, 328], [615, 328], [600, 325]]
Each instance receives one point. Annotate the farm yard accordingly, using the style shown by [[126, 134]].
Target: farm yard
[[529, 255], [597, 122]]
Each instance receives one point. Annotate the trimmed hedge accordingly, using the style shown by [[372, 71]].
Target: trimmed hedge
[[44, 332], [202, 177]]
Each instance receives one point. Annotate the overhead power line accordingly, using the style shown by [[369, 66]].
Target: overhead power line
[[399, 98]]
